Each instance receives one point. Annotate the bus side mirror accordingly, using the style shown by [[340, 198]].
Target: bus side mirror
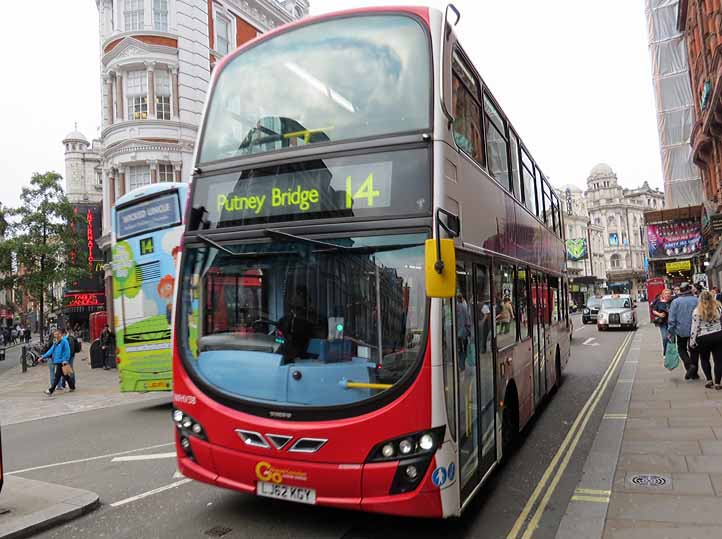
[[440, 284]]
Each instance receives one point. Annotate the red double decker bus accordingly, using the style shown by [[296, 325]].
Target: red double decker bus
[[372, 300]]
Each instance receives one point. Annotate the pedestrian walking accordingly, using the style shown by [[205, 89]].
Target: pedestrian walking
[[107, 345], [680, 326], [660, 315], [60, 354], [706, 336], [73, 344]]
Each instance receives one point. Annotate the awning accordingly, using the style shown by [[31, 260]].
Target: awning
[[673, 214]]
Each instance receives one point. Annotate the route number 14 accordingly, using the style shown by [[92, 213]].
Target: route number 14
[[365, 192]]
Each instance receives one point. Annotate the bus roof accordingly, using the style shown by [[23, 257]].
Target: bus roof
[[420, 11], [147, 190]]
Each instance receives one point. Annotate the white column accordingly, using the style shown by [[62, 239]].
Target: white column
[[153, 164], [175, 98], [150, 68]]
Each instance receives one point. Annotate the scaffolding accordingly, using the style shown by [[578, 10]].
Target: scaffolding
[[674, 102]]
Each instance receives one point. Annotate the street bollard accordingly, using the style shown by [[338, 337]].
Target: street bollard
[[23, 360], [2, 354]]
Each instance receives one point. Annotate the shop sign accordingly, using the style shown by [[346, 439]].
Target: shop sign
[[681, 265], [674, 238]]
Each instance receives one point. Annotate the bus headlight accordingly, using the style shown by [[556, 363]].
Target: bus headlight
[[419, 443], [187, 426]]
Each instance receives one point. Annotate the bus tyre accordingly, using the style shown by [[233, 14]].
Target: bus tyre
[[509, 427]]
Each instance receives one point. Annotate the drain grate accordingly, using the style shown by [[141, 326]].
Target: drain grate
[[217, 531], [649, 480]]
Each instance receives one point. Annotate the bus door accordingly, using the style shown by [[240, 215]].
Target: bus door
[[475, 369], [539, 304]]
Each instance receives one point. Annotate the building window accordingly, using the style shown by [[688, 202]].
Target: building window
[[160, 15], [223, 27], [138, 176], [615, 261], [162, 95], [137, 92], [133, 15], [467, 110], [165, 173], [98, 178]]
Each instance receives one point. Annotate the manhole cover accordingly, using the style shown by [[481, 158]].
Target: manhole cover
[[649, 480], [218, 531]]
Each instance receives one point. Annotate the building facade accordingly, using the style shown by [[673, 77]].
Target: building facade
[[156, 59], [675, 103], [586, 268], [83, 170], [619, 214]]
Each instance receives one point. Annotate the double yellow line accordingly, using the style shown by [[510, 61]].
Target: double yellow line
[[564, 454]]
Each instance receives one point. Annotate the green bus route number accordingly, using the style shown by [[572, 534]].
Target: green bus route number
[[146, 246], [365, 191]]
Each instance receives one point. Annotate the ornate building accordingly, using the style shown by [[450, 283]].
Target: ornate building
[[83, 170], [587, 276], [156, 59], [619, 213]]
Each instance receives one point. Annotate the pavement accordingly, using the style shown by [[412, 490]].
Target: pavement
[[23, 398], [28, 506], [655, 466]]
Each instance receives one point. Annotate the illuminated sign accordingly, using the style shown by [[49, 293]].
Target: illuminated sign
[[681, 265], [91, 299], [388, 183], [91, 239], [159, 212]]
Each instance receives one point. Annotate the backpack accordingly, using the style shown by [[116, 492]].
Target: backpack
[[71, 344]]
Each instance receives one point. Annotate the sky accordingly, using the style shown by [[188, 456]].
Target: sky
[[573, 77]]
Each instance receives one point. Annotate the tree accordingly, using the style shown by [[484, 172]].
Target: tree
[[41, 240]]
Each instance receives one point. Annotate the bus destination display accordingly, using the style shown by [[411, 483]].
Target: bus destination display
[[153, 214], [341, 187]]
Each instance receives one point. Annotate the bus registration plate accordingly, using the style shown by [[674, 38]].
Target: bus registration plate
[[286, 492]]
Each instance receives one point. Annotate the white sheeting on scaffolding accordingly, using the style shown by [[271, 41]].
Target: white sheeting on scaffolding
[[675, 105]]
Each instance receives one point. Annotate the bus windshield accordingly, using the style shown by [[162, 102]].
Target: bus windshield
[[334, 80], [304, 322]]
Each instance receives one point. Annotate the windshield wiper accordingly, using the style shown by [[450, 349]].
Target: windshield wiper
[[226, 250], [366, 249]]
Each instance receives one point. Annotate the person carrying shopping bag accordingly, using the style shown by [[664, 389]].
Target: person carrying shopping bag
[[660, 314], [680, 327], [60, 354], [706, 337]]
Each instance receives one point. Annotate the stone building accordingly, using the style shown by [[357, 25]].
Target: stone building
[[83, 170], [156, 58], [619, 213], [588, 275]]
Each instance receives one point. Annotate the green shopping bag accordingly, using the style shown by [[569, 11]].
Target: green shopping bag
[[671, 356]]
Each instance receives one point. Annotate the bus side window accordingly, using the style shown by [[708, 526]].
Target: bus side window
[[515, 172], [522, 302], [496, 143], [505, 316], [554, 292], [527, 171], [467, 110]]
